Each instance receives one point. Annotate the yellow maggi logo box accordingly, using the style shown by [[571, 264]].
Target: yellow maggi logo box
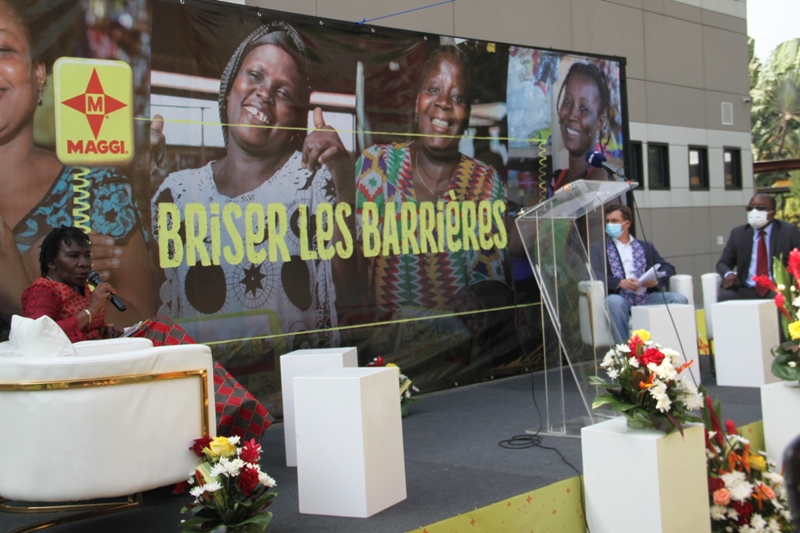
[[94, 111]]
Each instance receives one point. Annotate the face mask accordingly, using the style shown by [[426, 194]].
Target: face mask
[[757, 219], [614, 230]]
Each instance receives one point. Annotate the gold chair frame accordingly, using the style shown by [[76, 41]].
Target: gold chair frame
[[92, 510]]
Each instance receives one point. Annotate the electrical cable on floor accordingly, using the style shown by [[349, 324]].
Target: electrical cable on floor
[[522, 442]]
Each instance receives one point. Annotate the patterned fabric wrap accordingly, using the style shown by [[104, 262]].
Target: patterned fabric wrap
[[426, 280], [110, 206], [639, 267], [238, 411]]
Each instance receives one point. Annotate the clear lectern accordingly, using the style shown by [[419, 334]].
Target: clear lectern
[[557, 235]]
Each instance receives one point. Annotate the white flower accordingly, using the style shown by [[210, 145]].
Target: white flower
[[214, 486], [613, 373], [197, 491], [732, 514], [624, 348], [773, 524], [781, 287], [609, 359], [265, 480], [757, 522], [633, 362], [717, 512], [737, 483], [773, 478], [659, 394], [233, 467], [786, 514], [792, 364], [234, 440]]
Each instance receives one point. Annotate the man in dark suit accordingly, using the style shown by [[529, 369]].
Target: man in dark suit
[[621, 260], [740, 261]]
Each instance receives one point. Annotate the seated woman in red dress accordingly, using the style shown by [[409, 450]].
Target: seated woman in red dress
[[62, 293]]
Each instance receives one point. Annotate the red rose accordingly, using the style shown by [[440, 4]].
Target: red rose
[[248, 479], [744, 509], [794, 263], [251, 452], [730, 427], [715, 483], [199, 444], [652, 355]]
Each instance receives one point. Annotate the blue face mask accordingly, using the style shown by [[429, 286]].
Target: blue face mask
[[614, 230]]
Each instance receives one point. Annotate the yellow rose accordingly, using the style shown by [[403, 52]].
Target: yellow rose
[[643, 334], [220, 447], [758, 462], [794, 330]]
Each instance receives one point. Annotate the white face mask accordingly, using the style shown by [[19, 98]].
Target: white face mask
[[757, 219]]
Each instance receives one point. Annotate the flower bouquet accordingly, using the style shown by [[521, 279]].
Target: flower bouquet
[[787, 297], [646, 385], [230, 491], [744, 493], [405, 385]]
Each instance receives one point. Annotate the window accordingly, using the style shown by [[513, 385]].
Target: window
[[658, 166], [635, 173], [698, 168], [732, 162]]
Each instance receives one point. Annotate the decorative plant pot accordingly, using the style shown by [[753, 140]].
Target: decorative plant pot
[[643, 480], [780, 411]]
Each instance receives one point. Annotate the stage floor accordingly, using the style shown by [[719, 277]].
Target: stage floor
[[454, 463]]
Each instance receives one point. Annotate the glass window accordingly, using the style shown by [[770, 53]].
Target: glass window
[[635, 173], [658, 166], [732, 162], [698, 168]]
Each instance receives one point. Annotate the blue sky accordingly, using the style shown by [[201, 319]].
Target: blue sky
[[771, 22]]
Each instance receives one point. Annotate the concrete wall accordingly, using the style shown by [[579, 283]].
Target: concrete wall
[[684, 59]]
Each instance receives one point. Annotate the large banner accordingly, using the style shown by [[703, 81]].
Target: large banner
[[275, 182]]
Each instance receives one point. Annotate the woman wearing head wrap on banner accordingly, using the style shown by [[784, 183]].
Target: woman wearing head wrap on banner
[[272, 181]]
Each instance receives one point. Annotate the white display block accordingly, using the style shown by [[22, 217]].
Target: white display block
[[672, 326], [745, 331], [643, 480], [303, 363], [780, 411], [349, 441]]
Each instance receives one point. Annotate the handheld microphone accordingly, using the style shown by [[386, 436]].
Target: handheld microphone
[[598, 160], [94, 279]]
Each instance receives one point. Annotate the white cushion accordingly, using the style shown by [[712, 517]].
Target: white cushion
[[39, 338]]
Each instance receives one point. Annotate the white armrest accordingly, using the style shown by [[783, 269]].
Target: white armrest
[[107, 346], [682, 284], [710, 283]]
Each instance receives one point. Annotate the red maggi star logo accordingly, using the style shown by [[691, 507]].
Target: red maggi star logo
[[94, 103]]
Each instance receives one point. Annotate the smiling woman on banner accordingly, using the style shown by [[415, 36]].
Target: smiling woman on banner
[[62, 293], [36, 191], [450, 197], [268, 188], [582, 104]]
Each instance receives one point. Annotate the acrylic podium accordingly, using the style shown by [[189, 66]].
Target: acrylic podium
[[557, 235]]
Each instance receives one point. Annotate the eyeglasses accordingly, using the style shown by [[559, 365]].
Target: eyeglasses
[[759, 207]]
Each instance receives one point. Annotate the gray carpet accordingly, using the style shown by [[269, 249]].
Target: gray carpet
[[453, 462]]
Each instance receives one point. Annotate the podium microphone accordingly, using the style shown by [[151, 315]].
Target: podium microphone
[[94, 279], [598, 160]]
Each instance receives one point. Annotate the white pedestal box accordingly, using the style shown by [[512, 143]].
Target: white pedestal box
[[745, 331], [303, 363], [682, 337], [349, 441], [780, 411], [643, 480]]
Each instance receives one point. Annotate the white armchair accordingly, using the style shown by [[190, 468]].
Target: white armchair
[[595, 328], [113, 421]]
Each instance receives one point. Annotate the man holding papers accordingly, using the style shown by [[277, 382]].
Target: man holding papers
[[634, 271]]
